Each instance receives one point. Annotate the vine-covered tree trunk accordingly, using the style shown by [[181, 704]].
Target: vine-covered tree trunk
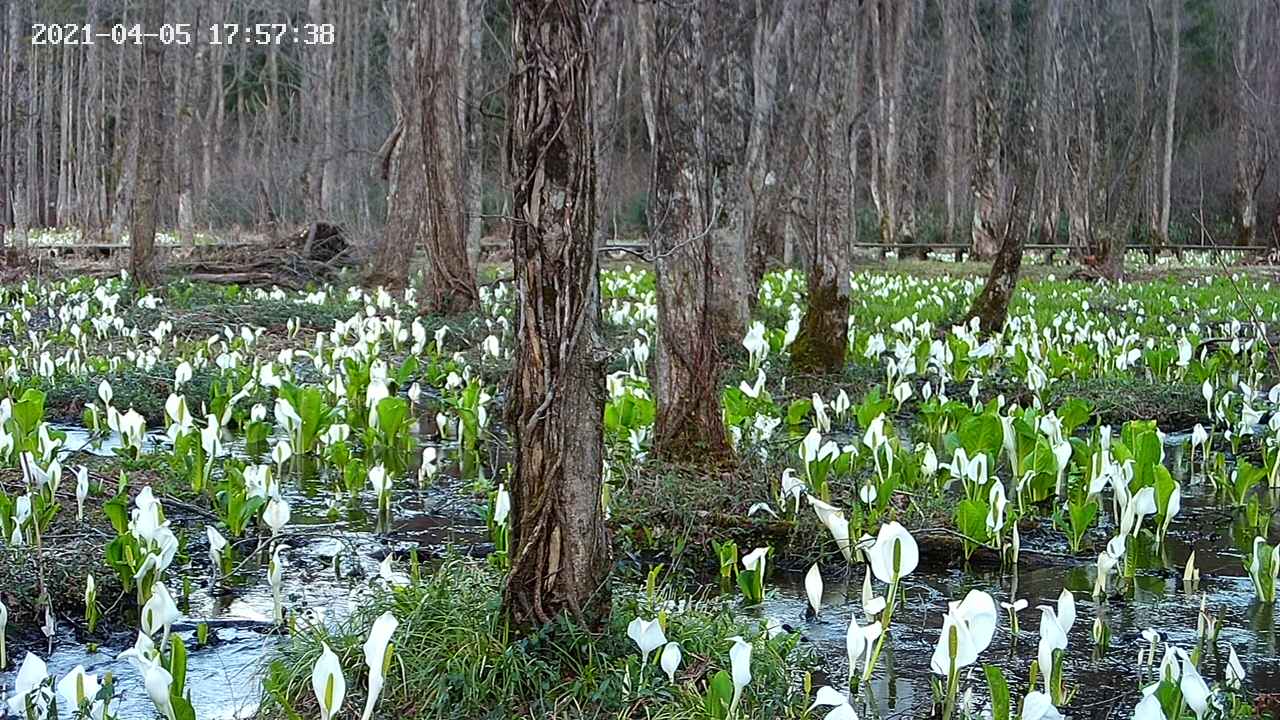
[[425, 165], [149, 115], [823, 338], [559, 546], [688, 423]]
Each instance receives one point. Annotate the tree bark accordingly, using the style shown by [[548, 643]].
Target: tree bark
[[559, 545], [758, 197], [22, 90], [688, 423], [890, 22], [991, 307], [470, 82], [990, 110], [1161, 238], [823, 339], [1250, 150], [150, 120], [425, 197], [725, 60], [954, 14], [400, 160], [1082, 148], [1050, 135]]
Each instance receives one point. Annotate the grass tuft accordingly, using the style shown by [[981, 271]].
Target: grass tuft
[[455, 657]]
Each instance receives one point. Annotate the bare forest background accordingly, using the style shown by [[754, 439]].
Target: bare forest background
[[1144, 122]]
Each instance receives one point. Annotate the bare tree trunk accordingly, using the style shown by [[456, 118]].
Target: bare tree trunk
[[991, 306], [425, 198], [990, 110], [449, 279], [23, 87], [954, 14], [1048, 102], [611, 42], [400, 162], [211, 135], [725, 61], [1170, 114], [64, 202], [470, 82], [681, 220], [127, 185], [560, 547], [890, 22], [1082, 151], [823, 338], [317, 121], [149, 118], [187, 92], [1251, 148], [757, 198]]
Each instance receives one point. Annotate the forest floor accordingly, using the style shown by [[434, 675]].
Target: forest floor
[[660, 511], [664, 518]]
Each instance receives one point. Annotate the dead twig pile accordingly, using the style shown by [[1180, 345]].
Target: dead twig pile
[[314, 254]]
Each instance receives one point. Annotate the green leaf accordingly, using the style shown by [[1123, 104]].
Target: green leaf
[[117, 511], [798, 410], [982, 434], [752, 586], [1074, 413], [182, 709], [719, 695], [971, 521], [999, 692], [177, 666]]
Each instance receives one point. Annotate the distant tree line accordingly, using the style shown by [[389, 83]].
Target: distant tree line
[[1115, 121]]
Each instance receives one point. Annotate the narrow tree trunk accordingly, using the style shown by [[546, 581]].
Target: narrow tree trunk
[[127, 184], [559, 545], [1170, 114], [149, 117], [757, 195], [1250, 153], [472, 81], [953, 17], [990, 108], [1052, 161], [823, 338], [892, 140], [22, 87], [686, 360], [991, 306], [66, 119]]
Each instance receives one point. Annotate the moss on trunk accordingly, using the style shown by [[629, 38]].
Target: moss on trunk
[[820, 344]]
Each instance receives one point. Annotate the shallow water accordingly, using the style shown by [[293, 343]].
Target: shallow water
[[224, 675], [1105, 686]]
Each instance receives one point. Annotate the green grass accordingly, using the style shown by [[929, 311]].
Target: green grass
[[454, 657]]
